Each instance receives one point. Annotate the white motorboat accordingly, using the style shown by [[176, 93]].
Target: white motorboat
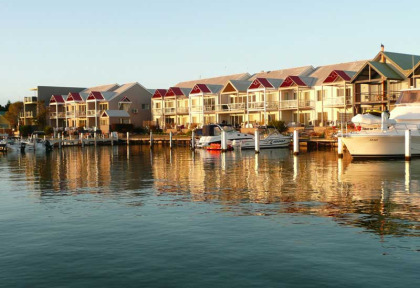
[[389, 139], [271, 138], [212, 134], [27, 145]]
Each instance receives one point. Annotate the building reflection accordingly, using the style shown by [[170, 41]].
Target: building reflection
[[379, 196]]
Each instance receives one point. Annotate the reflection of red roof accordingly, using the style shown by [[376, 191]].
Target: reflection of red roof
[[57, 99], [159, 93], [291, 81], [74, 97], [337, 74], [260, 83], [95, 95], [200, 88], [174, 91]]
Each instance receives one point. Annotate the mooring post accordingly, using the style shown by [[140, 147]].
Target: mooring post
[[295, 142], [81, 139], [94, 137], [223, 141], [193, 140], [59, 141], [112, 140], [151, 139], [257, 141], [340, 147], [170, 139], [407, 145]]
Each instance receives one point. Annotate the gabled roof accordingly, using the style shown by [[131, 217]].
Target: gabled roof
[[57, 99], [220, 80], [298, 81], [283, 73], [124, 87], [403, 62], [265, 83], [115, 113], [383, 69], [102, 88], [95, 95], [322, 72], [177, 92], [159, 93], [236, 85], [76, 97], [125, 99], [206, 89]]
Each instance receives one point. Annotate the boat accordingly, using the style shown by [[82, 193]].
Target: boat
[[388, 140], [218, 147], [271, 138], [17, 144], [212, 134]]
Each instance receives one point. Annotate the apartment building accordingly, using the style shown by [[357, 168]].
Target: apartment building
[[101, 106]]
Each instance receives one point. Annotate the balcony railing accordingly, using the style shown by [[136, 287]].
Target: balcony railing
[[209, 108], [197, 108], [377, 96], [170, 110], [30, 99], [230, 107], [269, 105], [337, 101], [182, 110], [288, 104], [92, 113], [309, 104], [57, 115], [27, 114], [157, 111]]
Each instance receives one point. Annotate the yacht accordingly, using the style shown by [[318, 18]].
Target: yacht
[[212, 134], [388, 140], [271, 138]]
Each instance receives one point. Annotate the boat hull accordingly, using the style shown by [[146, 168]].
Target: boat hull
[[380, 145], [265, 143]]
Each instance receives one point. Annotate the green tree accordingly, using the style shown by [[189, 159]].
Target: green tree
[[12, 114], [279, 125], [41, 115]]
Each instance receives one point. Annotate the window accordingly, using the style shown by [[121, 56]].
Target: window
[[319, 95], [135, 111], [104, 122], [103, 106], [144, 107]]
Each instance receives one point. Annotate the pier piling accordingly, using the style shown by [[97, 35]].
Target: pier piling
[[170, 140], [193, 140], [223, 141], [295, 142], [128, 138], [340, 147], [257, 141], [151, 139], [407, 145]]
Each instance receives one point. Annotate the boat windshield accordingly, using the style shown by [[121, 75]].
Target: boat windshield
[[409, 97], [228, 129]]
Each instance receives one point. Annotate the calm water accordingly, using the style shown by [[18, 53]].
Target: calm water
[[119, 217]]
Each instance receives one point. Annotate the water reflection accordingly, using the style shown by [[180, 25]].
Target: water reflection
[[379, 196]]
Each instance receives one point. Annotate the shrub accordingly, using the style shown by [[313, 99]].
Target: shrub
[[122, 128], [26, 130], [48, 130], [279, 125]]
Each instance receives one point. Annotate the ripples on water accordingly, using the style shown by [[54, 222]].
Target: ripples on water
[[129, 216]]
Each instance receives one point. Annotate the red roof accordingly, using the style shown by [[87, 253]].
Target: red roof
[[260, 83], [74, 97], [57, 99], [337, 74], [200, 88], [125, 99], [159, 93], [95, 95], [174, 91], [291, 81]]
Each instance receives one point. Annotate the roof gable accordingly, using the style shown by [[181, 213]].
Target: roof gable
[[159, 93], [58, 99], [337, 75], [95, 95], [125, 99], [403, 62], [200, 89], [293, 81], [74, 97], [378, 70], [229, 88]]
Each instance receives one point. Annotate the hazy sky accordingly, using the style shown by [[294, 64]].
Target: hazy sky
[[159, 43]]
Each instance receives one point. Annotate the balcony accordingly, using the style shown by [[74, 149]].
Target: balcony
[[92, 113], [306, 104], [209, 108], [170, 110], [157, 111], [337, 101], [30, 99], [27, 114], [269, 105], [288, 104], [197, 108], [55, 115], [182, 110], [230, 107], [377, 97]]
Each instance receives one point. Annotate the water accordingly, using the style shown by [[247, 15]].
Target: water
[[129, 217]]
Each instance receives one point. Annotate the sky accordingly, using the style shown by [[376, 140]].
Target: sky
[[160, 43]]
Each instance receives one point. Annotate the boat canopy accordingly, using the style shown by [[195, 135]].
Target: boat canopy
[[409, 97]]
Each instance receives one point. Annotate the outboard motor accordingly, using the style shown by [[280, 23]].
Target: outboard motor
[[48, 146]]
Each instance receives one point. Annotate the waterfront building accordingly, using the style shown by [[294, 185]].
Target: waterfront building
[[177, 107], [100, 107], [232, 106], [42, 94], [378, 82], [158, 114]]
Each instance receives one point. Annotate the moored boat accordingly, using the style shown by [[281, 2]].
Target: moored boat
[[271, 138], [212, 134]]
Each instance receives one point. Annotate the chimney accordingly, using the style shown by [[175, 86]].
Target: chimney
[[382, 55]]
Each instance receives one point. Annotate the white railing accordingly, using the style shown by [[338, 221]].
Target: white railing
[[28, 114], [183, 110], [170, 110], [157, 111], [71, 113], [80, 113], [337, 101], [260, 105], [32, 99], [209, 108], [92, 113], [288, 104], [57, 115], [306, 104], [197, 108], [230, 107]]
